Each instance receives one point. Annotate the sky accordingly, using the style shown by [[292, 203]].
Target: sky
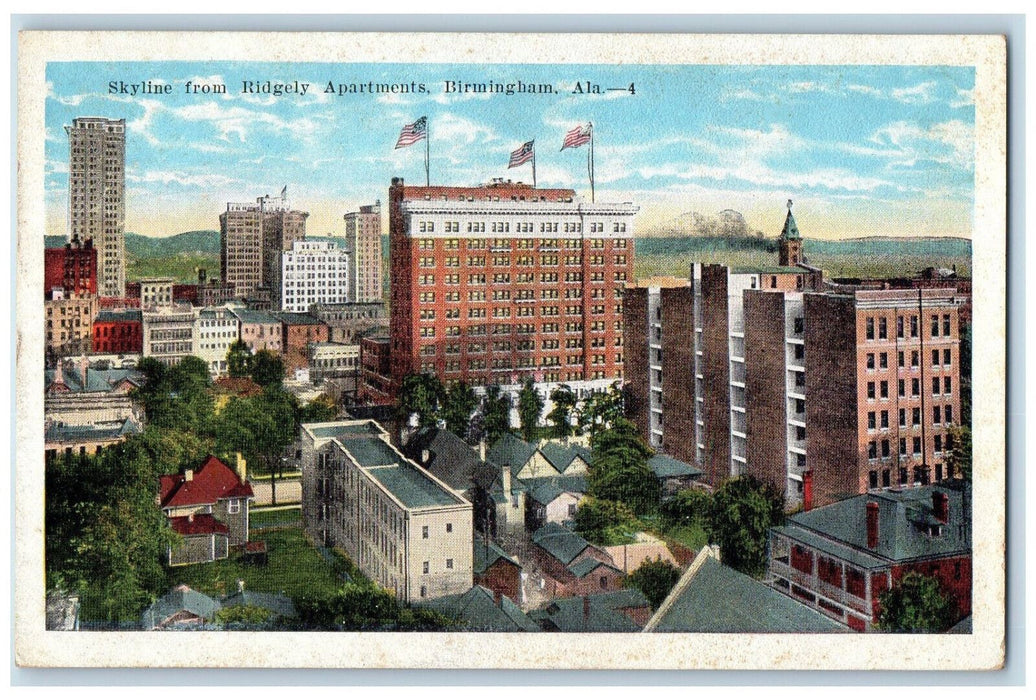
[[861, 150]]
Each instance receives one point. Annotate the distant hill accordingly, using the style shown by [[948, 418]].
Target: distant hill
[[137, 246], [878, 246]]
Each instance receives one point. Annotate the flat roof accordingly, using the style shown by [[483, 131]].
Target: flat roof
[[409, 484]]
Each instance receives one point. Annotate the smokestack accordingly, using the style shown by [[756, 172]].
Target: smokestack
[[188, 475], [941, 505], [872, 525], [807, 490]]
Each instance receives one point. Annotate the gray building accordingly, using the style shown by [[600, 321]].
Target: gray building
[[96, 195]]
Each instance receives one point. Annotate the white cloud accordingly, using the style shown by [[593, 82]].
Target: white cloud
[[918, 94], [865, 90], [965, 98], [171, 177], [951, 143]]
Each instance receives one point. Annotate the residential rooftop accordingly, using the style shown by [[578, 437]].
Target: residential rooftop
[[408, 483]]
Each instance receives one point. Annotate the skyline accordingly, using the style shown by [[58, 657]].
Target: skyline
[[879, 150]]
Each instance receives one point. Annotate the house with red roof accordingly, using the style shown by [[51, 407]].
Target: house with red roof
[[208, 508]]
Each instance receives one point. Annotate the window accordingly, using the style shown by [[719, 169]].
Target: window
[[872, 450], [424, 536], [885, 449], [449, 527], [424, 567], [945, 324], [604, 582], [902, 387], [902, 359], [949, 415], [873, 479], [424, 591], [884, 419], [935, 326], [870, 328], [917, 417], [872, 420], [915, 387], [883, 360], [886, 478], [883, 329], [899, 326], [449, 563], [947, 385], [935, 386], [233, 506], [884, 389], [870, 390], [799, 324], [870, 360], [946, 357], [917, 445]]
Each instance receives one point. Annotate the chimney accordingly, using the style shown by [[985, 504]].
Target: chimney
[[188, 475], [240, 467], [505, 480], [497, 598], [807, 490], [425, 457], [201, 276], [84, 367], [482, 449], [941, 505], [586, 608], [190, 517], [872, 525], [240, 585]]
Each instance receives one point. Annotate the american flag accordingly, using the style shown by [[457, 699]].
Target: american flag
[[577, 137], [412, 133], [523, 154]]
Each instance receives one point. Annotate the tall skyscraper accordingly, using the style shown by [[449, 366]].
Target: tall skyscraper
[[504, 282], [97, 195], [252, 237], [363, 240]]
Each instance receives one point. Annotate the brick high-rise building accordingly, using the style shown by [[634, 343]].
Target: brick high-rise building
[[363, 240], [71, 268], [502, 282], [252, 237], [825, 391], [96, 195]]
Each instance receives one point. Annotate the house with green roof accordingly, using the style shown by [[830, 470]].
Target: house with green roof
[[404, 527], [483, 610], [624, 610], [553, 499], [495, 569], [569, 565], [181, 608], [711, 597], [840, 558]]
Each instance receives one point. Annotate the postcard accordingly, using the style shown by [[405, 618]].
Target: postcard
[[556, 351]]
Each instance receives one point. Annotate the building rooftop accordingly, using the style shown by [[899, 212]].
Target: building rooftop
[[119, 316], [712, 597], [178, 600], [791, 229], [96, 380], [486, 554], [61, 433], [601, 612], [768, 270], [450, 459], [343, 429], [212, 481], [561, 456], [478, 611], [255, 316], [559, 542], [545, 489], [412, 486], [512, 451], [666, 467], [298, 319], [907, 526]]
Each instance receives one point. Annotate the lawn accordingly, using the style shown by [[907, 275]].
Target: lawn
[[275, 516], [294, 567]]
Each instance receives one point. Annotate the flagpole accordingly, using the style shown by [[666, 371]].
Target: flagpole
[[427, 140], [534, 165], [590, 162]]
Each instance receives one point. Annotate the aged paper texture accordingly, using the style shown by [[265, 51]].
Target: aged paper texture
[[682, 124]]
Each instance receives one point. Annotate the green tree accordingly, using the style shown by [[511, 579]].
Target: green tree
[[604, 522], [260, 428], [105, 538], [619, 469], [319, 410], [245, 617], [965, 374], [530, 406], [560, 416], [177, 397], [496, 413], [364, 607], [267, 368], [687, 507], [421, 395], [239, 359], [460, 402], [654, 579], [743, 511], [959, 459], [915, 604], [600, 410]]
